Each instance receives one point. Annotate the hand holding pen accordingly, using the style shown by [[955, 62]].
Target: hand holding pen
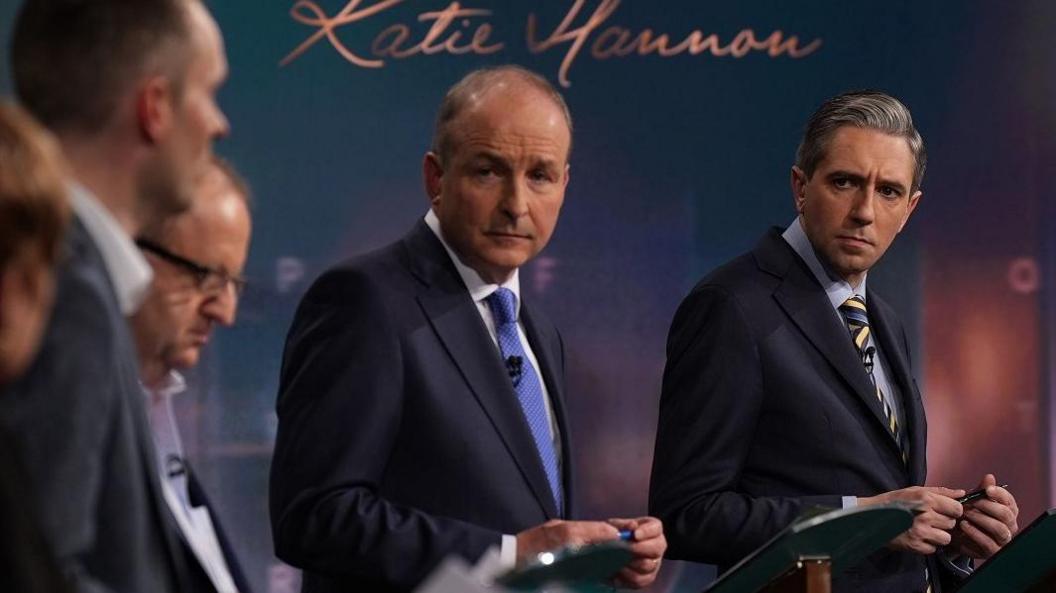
[[977, 494], [989, 521], [648, 544]]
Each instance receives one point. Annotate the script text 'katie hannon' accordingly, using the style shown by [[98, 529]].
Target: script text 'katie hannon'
[[458, 30]]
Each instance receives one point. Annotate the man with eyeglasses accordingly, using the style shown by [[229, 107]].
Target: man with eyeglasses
[[197, 259]]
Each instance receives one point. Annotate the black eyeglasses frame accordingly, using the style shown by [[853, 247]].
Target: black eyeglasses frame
[[201, 272]]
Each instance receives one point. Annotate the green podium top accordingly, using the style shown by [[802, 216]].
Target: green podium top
[[844, 536], [579, 568], [1021, 565]]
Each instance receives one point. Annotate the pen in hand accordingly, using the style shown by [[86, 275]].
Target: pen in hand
[[976, 494]]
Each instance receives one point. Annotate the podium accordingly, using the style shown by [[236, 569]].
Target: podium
[[1026, 565], [803, 557]]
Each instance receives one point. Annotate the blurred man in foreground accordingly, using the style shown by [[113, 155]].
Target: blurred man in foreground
[[128, 88]]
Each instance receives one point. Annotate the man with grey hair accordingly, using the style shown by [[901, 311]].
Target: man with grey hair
[[421, 404], [788, 382]]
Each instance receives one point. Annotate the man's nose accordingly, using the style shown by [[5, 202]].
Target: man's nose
[[222, 307]]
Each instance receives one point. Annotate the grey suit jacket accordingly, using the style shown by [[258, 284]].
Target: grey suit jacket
[[77, 422]]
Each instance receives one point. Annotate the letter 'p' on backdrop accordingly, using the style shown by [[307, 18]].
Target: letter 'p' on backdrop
[[687, 116]]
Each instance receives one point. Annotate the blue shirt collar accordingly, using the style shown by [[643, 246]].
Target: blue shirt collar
[[837, 289]]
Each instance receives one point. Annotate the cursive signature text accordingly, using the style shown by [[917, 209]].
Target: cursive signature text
[[459, 30], [394, 41]]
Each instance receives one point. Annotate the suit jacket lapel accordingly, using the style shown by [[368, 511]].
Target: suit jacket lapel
[[805, 303], [881, 320], [541, 336], [148, 456], [198, 498], [457, 323]]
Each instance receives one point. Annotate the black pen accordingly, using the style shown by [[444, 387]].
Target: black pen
[[977, 494]]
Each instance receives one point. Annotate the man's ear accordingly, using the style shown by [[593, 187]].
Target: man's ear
[[155, 106], [798, 180], [913, 201], [432, 176]]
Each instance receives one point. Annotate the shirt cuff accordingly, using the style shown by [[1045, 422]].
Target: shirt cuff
[[508, 551], [850, 502]]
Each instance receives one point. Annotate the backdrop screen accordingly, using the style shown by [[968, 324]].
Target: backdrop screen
[[687, 117]]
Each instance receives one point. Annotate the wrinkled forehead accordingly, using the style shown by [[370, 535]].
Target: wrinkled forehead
[[509, 115], [850, 144]]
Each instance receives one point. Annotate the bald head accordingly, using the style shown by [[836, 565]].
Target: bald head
[[221, 200], [479, 85]]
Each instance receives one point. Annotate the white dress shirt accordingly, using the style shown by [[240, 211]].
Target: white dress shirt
[[196, 525], [128, 270], [479, 291]]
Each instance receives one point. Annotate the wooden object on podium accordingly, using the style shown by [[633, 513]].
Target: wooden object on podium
[[805, 555], [1026, 565], [808, 575]]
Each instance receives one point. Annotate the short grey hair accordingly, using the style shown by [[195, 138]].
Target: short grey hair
[[477, 81], [868, 109]]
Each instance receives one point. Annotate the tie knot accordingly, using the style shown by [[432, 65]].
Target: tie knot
[[853, 310], [503, 305]]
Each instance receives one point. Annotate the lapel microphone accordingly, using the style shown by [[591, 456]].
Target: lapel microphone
[[174, 466], [514, 366], [867, 358]]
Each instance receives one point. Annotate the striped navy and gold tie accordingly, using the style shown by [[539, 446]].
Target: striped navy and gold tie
[[854, 313]]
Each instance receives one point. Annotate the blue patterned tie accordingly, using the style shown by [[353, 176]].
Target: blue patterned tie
[[526, 383]]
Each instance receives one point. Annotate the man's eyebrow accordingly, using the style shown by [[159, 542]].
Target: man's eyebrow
[[884, 181], [893, 183], [844, 173], [487, 155], [547, 162]]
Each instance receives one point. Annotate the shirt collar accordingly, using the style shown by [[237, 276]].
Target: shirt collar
[[173, 384], [478, 288], [837, 289], [128, 270]]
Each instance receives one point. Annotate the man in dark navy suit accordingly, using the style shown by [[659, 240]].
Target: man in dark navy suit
[[197, 258], [421, 404], [788, 382]]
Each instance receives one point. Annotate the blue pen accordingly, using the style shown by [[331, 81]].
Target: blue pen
[[626, 535]]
